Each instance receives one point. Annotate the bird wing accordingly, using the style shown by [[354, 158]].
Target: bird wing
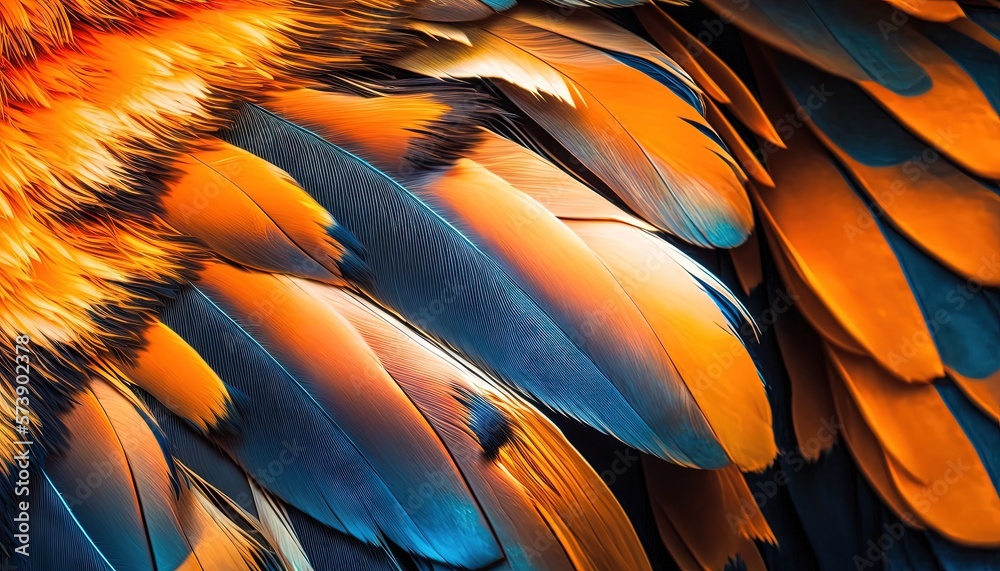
[[307, 284]]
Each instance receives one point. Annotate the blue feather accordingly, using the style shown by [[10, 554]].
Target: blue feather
[[429, 272], [953, 557], [962, 316], [59, 541], [204, 457], [488, 423], [500, 5], [848, 28], [977, 60], [982, 431], [329, 549], [856, 124], [121, 510], [311, 462]]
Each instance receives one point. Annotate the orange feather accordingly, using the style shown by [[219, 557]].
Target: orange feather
[[245, 209], [175, 375], [548, 506], [693, 190], [929, 458], [825, 231], [710, 515]]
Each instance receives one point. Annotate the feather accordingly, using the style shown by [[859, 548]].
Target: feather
[[819, 34], [176, 376], [963, 316], [453, 10], [678, 299], [977, 425], [329, 549], [216, 541], [553, 188], [574, 4], [711, 512], [748, 158], [812, 406], [867, 451], [898, 66], [920, 192], [953, 113], [481, 54], [691, 190], [119, 485], [440, 31], [984, 393], [646, 269], [811, 306], [534, 247], [748, 264], [823, 229], [346, 380], [381, 129], [204, 459], [252, 213], [822, 253], [923, 446], [681, 554], [591, 28], [59, 540], [432, 275], [320, 344], [280, 532], [321, 463], [662, 269], [549, 509], [932, 10], [719, 81], [989, 45], [570, 200]]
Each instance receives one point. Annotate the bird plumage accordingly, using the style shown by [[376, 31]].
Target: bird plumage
[[314, 284]]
